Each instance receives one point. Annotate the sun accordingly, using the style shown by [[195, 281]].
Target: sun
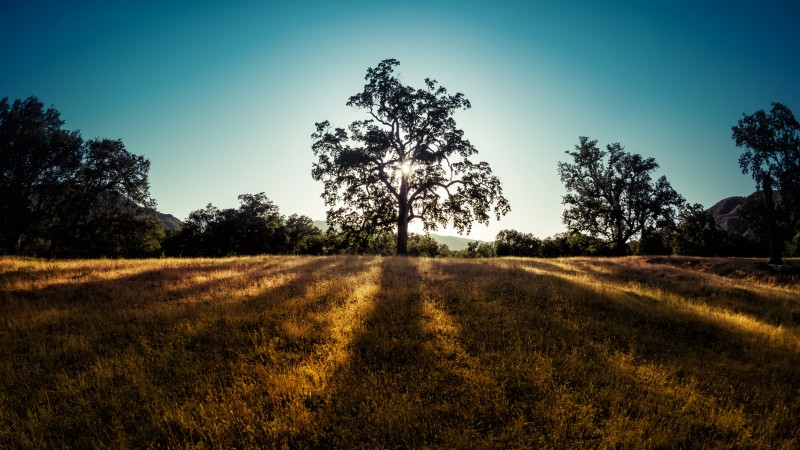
[[406, 168]]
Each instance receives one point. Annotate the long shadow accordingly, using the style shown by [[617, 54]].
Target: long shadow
[[386, 357], [691, 283], [556, 318], [512, 346], [727, 363], [180, 344], [408, 382], [423, 372]]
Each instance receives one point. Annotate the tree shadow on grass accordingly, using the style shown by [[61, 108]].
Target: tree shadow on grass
[[374, 394], [696, 357], [522, 358], [430, 366], [86, 346], [450, 353], [764, 303]]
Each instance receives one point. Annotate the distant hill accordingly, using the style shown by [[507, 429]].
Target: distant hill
[[454, 243], [168, 221], [726, 213]]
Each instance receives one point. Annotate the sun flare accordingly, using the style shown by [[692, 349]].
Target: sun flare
[[406, 168]]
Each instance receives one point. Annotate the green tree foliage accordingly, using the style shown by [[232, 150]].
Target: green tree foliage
[[302, 236], [654, 242], [753, 211], [63, 196], [425, 245], [772, 157], [611, 195], [478, 249], [407, 161], [515, 243]]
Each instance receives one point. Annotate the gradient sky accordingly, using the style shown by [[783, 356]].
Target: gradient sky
[[222, 97]]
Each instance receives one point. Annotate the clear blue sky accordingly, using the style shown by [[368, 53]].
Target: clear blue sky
[[222, 97]]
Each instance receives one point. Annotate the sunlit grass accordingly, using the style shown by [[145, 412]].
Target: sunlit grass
[[391, 352]]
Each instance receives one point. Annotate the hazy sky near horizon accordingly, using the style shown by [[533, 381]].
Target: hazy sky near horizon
[[222, 97]]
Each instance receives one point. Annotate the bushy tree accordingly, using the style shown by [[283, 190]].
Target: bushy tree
[[611, 195], [37, 159], [256, 227], [579, 244], [63, 196], [407, 161], [302, 236], [425, 245], [654, 242], [772, 157], [515, 243], [698, 234], [478, 249]]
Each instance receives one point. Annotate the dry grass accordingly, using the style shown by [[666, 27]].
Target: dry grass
[[373, 352]]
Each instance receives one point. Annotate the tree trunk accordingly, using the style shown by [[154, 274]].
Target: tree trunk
[[402, 218], [775, 242], [402, 235]]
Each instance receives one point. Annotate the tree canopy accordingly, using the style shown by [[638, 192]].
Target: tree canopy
[[515, 243], [772, 157], [63, 196], [407, 161], [611, 194], [255, 227]]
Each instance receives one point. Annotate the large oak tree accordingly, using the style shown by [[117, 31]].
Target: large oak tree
[[611, 194], [406, 161], [772, 140]]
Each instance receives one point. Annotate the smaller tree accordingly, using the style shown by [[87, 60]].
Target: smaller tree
[[515, 243], [610, 194], [698, 234], [478, 249], [773, 159], [303, 236], [425, 245], [106, 209], [256, 227]]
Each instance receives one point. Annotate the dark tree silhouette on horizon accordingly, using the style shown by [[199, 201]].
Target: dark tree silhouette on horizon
[[407, 161], [610, 194], [63, 196], [773, 159]]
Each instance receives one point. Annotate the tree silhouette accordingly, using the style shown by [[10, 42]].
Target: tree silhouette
[[698, 234], [63, 196], [615, 197], [773, 159], [256, 227], [407, 161], [303, 237], [37, 159]]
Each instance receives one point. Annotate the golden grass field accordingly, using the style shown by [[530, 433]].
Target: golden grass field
[[359, 351]]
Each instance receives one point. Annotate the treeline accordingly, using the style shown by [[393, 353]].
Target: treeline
[[257, 227], [697, 234], [63, 196]]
